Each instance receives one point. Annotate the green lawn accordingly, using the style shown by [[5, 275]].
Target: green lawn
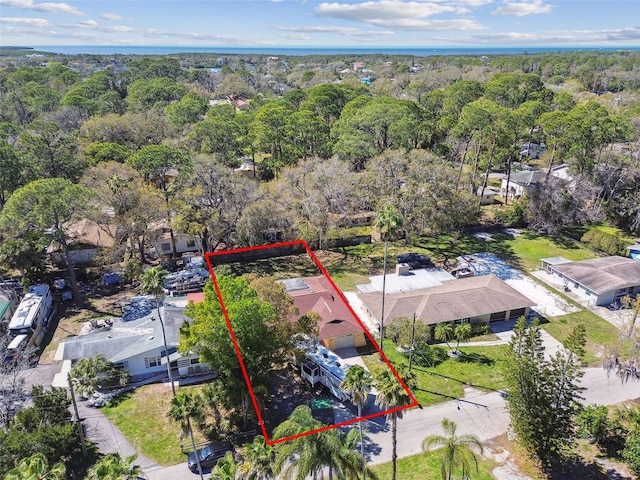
[[142, 418], [599, 332], [482, 368], [426, 466]]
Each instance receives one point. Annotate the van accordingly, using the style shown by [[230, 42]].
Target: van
[[16, 347]]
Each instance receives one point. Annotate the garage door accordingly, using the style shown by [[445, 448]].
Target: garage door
[[344, 341]]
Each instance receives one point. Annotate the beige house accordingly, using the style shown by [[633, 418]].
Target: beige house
[[480, 299]]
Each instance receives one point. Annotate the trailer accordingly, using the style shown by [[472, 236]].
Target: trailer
[[33, 314], [323, 366]]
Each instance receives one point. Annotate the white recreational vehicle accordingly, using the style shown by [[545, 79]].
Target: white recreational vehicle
[[33, 314], [321, 365]]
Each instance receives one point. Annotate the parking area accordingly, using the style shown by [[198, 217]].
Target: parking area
[[548, 304]]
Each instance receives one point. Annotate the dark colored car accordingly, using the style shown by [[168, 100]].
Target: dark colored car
[[415, 260], [209, 455]]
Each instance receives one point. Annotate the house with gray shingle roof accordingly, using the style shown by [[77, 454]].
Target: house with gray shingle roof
[[135, 343], [480, 299], [600, 281]]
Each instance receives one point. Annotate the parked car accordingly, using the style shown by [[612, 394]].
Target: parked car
[[415, 260], [208, 455]]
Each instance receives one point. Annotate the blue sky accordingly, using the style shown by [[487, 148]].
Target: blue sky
[[312, 23]]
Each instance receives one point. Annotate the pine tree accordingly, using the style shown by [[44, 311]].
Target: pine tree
[[543, 395]]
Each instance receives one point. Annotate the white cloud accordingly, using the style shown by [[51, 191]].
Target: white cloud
[[32, 22], [345, 31], [374, 11], [48, 7], [560, 37], [114, 17], [411, 15], [297, 37], [523, 8]]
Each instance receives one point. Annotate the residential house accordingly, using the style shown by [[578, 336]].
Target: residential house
[[481, 299], [599, 281], [87, 238], [487, 195], [135, 341], [634, 250], [521, 183], [338, 327], [184, 243]]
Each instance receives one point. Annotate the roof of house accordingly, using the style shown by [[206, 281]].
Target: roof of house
[[528, 177], [602, 274], [89, 232], [461, 298], [318, 295], [127, 339]]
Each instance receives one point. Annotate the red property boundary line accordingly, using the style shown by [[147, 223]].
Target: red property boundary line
[[208, 257]]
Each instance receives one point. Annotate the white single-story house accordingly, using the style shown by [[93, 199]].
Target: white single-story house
[[487, 197], [134, 342], [473, 300], [337, 327], [184, 243], [601, 281]]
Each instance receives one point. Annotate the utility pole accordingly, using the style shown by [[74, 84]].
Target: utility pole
[[413, 334], [76, 416]]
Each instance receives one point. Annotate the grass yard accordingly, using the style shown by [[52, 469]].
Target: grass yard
[[482, 368], [427, 466], [142, 418], [600, 333]]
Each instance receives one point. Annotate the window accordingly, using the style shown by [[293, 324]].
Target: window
[[191, 243], [152, 362], [166, 247]]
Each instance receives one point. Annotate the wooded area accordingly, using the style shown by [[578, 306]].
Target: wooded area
[[242, 150]]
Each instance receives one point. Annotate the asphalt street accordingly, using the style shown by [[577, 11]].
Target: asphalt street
[[482, 414]]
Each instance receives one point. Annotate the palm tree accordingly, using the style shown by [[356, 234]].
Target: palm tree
[[225, 469], [444, 333], [358, 383], [391, 394], [458, 450], [312, 454], [462, 333], [387, 223], [152, 281], [183, 409], [259, 460], [115, 467], [88, 373], [36, 467]]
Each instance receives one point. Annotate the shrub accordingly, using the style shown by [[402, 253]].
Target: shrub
[[603, 241]]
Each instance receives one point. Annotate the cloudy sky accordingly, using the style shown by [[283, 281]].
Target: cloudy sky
[[311, 23]]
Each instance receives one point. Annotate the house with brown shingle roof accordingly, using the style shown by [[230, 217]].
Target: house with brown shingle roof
[[338, 328], [480, 299], [600, 281]]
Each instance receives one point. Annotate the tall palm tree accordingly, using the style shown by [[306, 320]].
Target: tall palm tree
[[259, 460], [391, 394], [444, 332], [387, 222], [185, 407], [152, 281], [358, 383], [36, 467], [115, 467], [312, 455], [458, 450]]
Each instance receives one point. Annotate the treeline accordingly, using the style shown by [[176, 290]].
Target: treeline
[[149, 142]]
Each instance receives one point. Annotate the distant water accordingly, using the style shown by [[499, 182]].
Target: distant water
[[304, 51]]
